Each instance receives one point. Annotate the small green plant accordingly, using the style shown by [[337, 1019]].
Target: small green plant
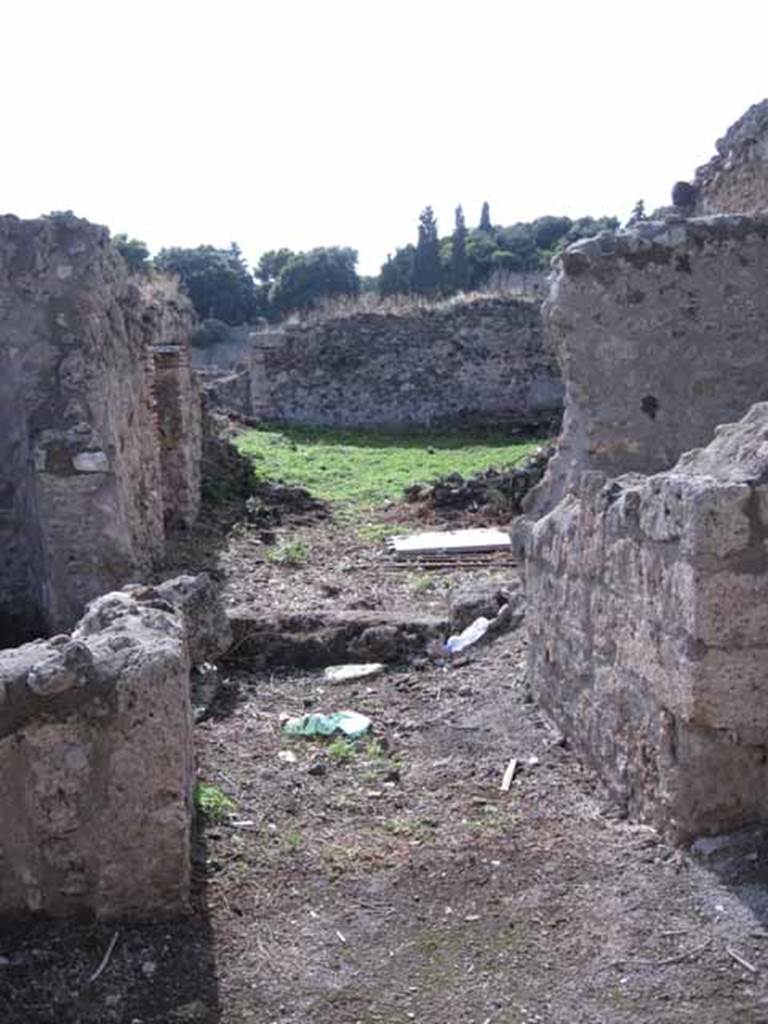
[[420, 829], [342, 750], [487, 819], [374, 751], [294, 840], [289, 552], [374, 533], [420, 582], [212, 802]]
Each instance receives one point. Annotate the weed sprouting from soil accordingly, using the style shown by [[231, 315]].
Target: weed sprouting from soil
[[213, 803], [342, 750], [289, 552]]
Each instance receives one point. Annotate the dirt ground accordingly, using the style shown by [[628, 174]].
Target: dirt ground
[[391, 880]]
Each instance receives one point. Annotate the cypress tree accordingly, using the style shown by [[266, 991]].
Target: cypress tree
[[485, 219], [426, 264], [459, 264]]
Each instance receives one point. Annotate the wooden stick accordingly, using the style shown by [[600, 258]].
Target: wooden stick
[[103, 965], [676, 959], [680, 956], [509, 775], [740, 960]]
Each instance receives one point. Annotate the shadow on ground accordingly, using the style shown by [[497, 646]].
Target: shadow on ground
[[161, 972]]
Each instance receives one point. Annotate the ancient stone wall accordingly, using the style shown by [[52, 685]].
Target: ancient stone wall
[[81, 474], [481, 362], [96, 763], [179, 416], [736, 179], [21, 543], [648, 611], [228, 391], [221, 347], [662, 332], [96, 756]]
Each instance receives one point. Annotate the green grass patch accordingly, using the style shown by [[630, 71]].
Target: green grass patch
[[364, 468], [288, 552], [213, 803], [342, 750]]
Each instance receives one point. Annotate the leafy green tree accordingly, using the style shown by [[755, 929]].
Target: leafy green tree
[[480, 249], [308, 277], [426, 266], [134, 252], [396, 277], [459, 261], [369, 284], [523, 247], [547, 231], [519, 244], [217, 281], [485, 219], [271, 263]]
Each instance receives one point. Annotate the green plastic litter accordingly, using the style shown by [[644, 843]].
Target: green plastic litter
[[351, 723]]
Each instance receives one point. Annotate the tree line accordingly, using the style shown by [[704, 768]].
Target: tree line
[[467, 259], [222, 287]]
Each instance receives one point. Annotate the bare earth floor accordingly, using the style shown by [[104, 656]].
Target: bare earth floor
[[395, 882]]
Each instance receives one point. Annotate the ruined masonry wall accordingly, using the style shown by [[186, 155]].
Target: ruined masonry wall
[[662, 333], [96, 755], [81, 475], [736, 180], [179, 415], [96, 764], [481, 362], [648, 611]]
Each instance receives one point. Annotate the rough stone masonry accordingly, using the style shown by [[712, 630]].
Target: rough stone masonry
[[647, 617], [96, 755], [662, 333], [91, 464], [477, 362], [736, 179], [647, 593]]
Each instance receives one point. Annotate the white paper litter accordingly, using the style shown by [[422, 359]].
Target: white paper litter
[[453, 542]]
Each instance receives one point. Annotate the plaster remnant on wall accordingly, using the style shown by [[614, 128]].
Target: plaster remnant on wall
[[91, 462]]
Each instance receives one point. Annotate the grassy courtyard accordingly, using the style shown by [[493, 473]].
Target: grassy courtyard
[[363, 468]]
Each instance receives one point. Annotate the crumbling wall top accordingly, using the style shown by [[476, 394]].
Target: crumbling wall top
[[656, 242], [736, 179], [662, 334]]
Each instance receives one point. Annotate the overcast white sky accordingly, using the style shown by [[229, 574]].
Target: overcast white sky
[[318, 122]]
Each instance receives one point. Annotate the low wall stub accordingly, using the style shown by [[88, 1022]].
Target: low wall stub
[[96, 765], [647, 617]]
